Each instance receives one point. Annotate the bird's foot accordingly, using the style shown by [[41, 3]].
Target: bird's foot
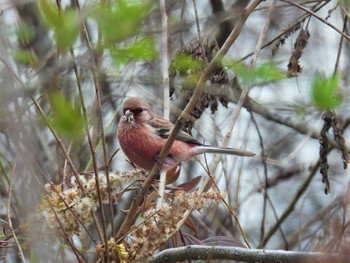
[[158, 160], [168, 163]]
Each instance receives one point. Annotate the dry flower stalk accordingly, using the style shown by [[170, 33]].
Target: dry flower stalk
[[67, 204], [160, 225]]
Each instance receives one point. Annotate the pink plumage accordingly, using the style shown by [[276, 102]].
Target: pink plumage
[[142, 134]]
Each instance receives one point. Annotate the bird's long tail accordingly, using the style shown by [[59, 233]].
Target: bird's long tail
[[215, 149]]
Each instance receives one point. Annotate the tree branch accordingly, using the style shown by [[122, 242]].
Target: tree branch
[[233, 94], [196, 252]]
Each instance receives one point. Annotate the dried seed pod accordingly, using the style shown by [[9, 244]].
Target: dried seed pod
[[331, 121], [185, 70], [294, 67]]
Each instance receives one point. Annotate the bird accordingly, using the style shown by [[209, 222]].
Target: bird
[[142, 134]]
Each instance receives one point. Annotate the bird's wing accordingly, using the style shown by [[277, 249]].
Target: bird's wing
[[181, 136], [162, 128]]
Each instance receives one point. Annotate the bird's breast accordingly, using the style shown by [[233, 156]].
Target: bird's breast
[[139, 145]]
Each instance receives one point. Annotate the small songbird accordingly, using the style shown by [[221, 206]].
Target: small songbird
[[142, 134]]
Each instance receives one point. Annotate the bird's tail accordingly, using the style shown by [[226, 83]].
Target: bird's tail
[[214, 149]]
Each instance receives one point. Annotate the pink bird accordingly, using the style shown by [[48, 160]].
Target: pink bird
[[142, 134]]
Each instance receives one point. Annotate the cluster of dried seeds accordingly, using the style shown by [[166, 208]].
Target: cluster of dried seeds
[[67, 208], [159, 225]]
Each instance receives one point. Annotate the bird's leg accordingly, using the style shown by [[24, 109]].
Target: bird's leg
[[168, 163], [160, 161]]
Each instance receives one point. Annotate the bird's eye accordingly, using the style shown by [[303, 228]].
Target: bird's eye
[[135, 111], [138, 110]]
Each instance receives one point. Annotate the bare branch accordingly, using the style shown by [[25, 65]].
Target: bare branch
[[196, 252]]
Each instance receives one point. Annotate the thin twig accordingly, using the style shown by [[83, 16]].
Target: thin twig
[[292, 204], [52, 130], [166, 89], [265, 187], [29, 164], [165, 59], [340, 46], [86, 122], [293, 3], [59, 142], [20, 251], [233, 95], [161, 190], [197, 22], [253, 62], [317, 7], [233, 120], [85, 33], [263, 34]]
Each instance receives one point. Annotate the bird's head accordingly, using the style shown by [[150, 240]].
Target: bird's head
[[136, 110]]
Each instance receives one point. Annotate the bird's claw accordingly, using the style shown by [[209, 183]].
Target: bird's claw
[[158, 160]]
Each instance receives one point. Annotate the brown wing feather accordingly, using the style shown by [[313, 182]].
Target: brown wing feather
[[182, 136], [163, 127]]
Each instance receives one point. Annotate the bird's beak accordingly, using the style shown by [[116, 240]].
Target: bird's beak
[[129, 116]]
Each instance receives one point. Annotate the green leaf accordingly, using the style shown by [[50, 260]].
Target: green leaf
[[49, 13], [65, 24], [24, 57], [266, 72], [324, 92], [66, 119], [345, 3], [67, 32], [25, 33], [142, 49], [186, 64], [119, 20]]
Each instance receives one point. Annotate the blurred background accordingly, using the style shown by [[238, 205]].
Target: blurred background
[[67, 66]]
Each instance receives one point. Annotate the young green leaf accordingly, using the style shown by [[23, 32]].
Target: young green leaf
[[120, 19], [49, 13], [66, 118], [186, 64], [264, 73], [67, 32], [324, 92], [345, 3], [24, 57], [142, 49], [25, 33], [64, 24]]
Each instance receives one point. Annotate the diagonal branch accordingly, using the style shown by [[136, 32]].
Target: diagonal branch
[[293, 3], [130, 217]]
